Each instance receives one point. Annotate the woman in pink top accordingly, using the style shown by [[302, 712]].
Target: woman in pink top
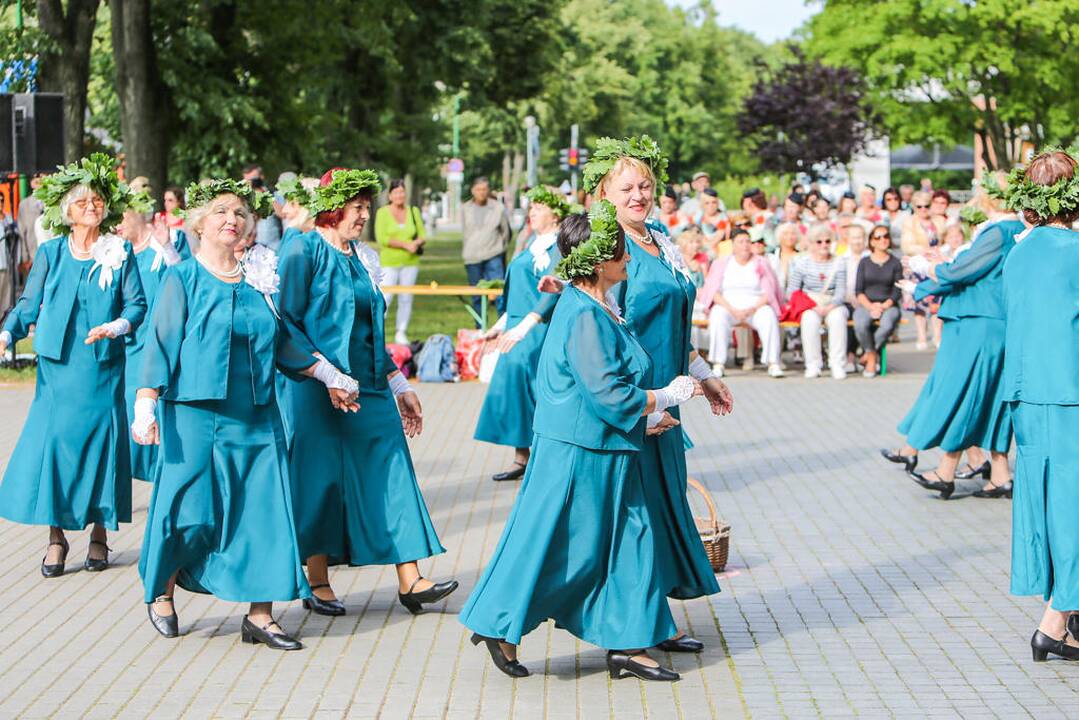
[[742, 289]]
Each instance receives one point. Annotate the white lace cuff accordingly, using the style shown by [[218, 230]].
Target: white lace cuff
[[501, 324], [518, 331], [145, 417], [654, 418], [117, 327], [399, 385], [700, 369], [170, 253], [331, 377], [677, 392]]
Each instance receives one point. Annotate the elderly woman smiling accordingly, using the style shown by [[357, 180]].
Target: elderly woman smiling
[[824, 279], [71, 466], [220, 520]]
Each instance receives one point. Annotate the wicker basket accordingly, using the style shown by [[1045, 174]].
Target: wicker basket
[[715, 535]]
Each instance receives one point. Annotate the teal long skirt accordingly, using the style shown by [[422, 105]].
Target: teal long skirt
[[71, 467], [1045, 534], [962, 403], [143, 457], [510, 403], [681, 560], [577, 548], [353, 484]]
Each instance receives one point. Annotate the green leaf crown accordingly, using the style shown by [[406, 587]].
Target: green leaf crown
[[294, 191], [1045, 201], [610, 150], [98, 172], [200, 194], [972, 215], [598, 248], [542, 195], [345, 185]]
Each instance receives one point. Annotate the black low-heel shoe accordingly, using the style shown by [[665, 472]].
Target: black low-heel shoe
[[683, 644], [95, 564], [619, 662], [51, 571], [515, 474], [997, 491], [1073, 625], [323, 607], [253, 634], [511, 667], [909, 462], [1041, 645], [167, 625], [985, 470], [943, 487], [413, 601]]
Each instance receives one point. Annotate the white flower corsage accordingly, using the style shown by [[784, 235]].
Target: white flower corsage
[[260, 269], [108, 254]]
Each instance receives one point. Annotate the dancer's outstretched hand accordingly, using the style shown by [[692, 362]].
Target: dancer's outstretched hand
[[719, 396], [411, 413]]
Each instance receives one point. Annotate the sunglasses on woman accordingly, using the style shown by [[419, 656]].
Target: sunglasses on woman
[[880, 236]]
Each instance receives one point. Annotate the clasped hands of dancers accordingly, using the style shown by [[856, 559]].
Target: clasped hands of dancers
[[258, 471], [1008, 365]]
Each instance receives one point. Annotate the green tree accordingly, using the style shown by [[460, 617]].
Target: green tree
[[941, 70]]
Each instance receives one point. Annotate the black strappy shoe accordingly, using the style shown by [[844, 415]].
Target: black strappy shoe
[[413, 601], [323, 607], [1041, 645], [513, 668], [909, 462], [253, 634], [167, 625], [619, 661], [51, 571], [985, 470], [94, 564], [940, 485], [515, 474], [996, 491]]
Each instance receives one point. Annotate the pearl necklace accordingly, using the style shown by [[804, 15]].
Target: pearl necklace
[[603, 304], [645, 239], [235, 272], [346, 251], [142, 244], [80, 254]]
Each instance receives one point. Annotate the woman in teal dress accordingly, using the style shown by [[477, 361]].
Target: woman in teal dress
[[1041, 385], [578, 547], [657, 299], [155, 248], [71, 466], [508, 407], [353, 484], [220, 519], [961, 404]]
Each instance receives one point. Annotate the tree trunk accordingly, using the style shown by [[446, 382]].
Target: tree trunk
[[143, 98], [68, 69]]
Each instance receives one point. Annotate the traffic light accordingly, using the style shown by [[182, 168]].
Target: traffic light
[[582, 157], [563, 159], [574, 157]]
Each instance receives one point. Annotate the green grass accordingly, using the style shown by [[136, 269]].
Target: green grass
[[440, 263]]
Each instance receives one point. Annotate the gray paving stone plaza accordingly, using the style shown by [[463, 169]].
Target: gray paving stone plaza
[[850, 593]]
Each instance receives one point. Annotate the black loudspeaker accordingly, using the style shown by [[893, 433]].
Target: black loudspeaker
[[37, 121], [7, 139]]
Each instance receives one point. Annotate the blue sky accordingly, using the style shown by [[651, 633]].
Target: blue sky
[[770, 20]]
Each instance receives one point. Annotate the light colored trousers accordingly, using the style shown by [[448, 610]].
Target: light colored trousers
[[764, 321], [404, 275], [836, 320]]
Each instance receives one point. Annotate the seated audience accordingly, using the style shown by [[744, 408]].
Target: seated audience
[[877, 298], [824, 279]]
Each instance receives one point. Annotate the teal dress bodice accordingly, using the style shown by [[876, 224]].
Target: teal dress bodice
[[521, 293], [1041, 300], [48, 300], [972, 284]]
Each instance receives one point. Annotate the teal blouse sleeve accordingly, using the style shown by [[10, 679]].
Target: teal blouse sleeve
[[296, 270], [290, 358], [969, 266], [592, 357], [161, 353], [26, 309], [545, 306], [133, 296]]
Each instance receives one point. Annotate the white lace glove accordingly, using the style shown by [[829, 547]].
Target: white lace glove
[[680, 390], [700, 369], [331, 377], [518, 331], [116, 328], [169, 252], [497, 328], [654, 419], [399, 385], [145, 417]]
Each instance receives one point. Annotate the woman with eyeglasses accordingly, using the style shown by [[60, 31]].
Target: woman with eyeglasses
[[920, 233], [824, 279], [962, 404], [877, 298], [892, 214]]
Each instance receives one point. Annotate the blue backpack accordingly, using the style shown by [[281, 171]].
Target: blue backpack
[[436, 361]]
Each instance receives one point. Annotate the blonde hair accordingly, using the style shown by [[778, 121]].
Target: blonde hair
[[785, 229], [921, 197], [619, 166], [197, 216]]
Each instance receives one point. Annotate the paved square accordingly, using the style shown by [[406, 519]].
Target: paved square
[[850, 592]]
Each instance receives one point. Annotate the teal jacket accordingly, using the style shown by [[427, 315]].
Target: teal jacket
[[317, 302], [1041, 300], [972, 284], [588, 383], [188, 346], [523, 278], [49, 300]]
